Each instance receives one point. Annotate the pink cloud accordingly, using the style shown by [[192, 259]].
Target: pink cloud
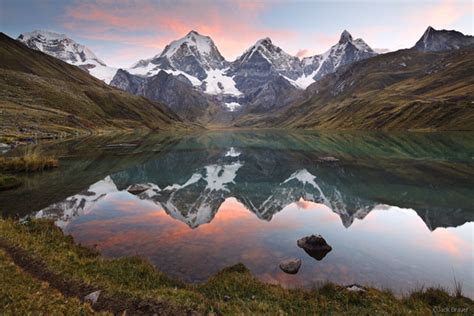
[[146, 26], [443, 14], [231, 24], [440, 16], [302, 53]]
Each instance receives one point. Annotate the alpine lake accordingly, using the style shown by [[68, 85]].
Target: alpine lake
[[396, 208]]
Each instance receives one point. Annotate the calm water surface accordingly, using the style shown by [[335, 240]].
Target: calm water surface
[[397, 209]]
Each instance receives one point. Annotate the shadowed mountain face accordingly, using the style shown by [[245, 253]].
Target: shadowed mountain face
[[407, 89], [349, 174], [442, 40]]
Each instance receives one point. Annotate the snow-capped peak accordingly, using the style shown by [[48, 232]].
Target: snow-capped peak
[[346, 51], [59, 46], [193, 56], [202, 44], [62, 47], [275, 58], [48, 35], [264, 41], [267, 50], [194, 48], [196, 57]]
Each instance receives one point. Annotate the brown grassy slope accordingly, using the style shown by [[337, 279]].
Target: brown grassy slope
[[402, 90], [42, 93]]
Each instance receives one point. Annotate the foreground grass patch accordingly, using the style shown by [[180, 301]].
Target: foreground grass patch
[[32, 160], [134, 285], [21, 292]]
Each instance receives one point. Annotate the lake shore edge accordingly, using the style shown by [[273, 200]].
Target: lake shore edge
[[40, 263]]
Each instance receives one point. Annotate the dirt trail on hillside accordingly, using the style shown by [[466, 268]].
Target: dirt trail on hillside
[[114, 303]]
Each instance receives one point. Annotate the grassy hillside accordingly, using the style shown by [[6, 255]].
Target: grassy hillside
[[403, 90], [42, 94]]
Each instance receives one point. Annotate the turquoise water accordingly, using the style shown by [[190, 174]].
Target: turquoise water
[[397, 209]]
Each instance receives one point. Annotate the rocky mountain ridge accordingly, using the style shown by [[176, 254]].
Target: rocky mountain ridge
[[442, 40], [192, 77]]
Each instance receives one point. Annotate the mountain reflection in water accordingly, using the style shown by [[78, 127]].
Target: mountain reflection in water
[[405, 204]]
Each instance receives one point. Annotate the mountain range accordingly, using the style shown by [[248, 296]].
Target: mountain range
[[349, 86]]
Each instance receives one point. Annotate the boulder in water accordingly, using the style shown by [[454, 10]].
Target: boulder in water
[[291, 266], [315, 246], [138, 188]]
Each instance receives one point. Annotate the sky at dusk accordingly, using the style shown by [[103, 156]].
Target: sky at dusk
[[121, 32]]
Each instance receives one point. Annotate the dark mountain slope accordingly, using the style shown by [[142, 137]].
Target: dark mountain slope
[[175, 91], [43, 94], [442, 40], [403, 90]]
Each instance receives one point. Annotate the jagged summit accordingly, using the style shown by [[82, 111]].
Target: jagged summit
[[262, 45], [197, 45], [429, 29], [265, 51], [434, 40], [193, 32], [194, 54], [345, 37], [264, 41], [346, 51], [195, 60]]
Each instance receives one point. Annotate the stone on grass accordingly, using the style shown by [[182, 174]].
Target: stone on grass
[[93, 297]]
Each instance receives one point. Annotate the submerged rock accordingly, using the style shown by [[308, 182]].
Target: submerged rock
[[93, 297], [315, 246], [138, 188], [291, 266]]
